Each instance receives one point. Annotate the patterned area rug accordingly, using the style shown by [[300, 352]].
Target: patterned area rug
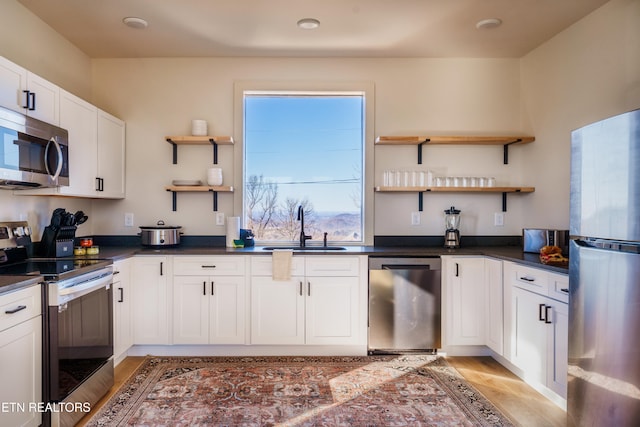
[[407, 390]]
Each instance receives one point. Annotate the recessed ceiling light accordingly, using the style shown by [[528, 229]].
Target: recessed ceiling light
[[134, 22], [308, 23], [486, 24]]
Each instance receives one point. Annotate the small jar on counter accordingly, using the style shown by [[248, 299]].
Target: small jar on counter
[[93, 250]]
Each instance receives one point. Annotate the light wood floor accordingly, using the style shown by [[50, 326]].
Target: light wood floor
[[518, 401]]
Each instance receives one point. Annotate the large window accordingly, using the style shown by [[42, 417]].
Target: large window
[[304, 149]]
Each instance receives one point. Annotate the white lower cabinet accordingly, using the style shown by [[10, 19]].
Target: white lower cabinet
[[122, 326], [494, 312], [21, 356], [320, 304], [209, 309], [464, 300], [150, 286], [537, 326]]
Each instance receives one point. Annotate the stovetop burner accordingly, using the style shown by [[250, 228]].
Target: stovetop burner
[[49, 268]]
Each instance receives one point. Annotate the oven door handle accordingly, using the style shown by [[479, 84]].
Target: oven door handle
[[73, 292]]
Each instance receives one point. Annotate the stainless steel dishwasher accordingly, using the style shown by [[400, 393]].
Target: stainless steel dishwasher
[[404, 305]]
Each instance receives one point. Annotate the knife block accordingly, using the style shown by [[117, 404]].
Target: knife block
[[58, 241]]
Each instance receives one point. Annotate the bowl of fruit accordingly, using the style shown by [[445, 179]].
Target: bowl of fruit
[[552, 255]]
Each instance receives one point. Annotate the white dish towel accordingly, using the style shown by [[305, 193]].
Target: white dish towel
[[281, 264]]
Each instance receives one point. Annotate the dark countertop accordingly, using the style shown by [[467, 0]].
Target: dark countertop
[[507, 253], [12, 283]]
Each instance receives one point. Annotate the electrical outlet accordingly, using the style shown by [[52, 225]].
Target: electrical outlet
[[415, 218], [128, 220], [498, 219], [219, 218]]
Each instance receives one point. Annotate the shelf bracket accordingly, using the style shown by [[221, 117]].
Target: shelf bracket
[[504, 199], [175, 151], [174, 200], [420, 201], [215, 151], [506, 150], [420, 151], [215, 200]]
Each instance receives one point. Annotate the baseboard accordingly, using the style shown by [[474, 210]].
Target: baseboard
[[246, 350]]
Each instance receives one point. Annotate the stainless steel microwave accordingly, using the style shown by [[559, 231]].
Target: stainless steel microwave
[[33, 153], [533, 239]]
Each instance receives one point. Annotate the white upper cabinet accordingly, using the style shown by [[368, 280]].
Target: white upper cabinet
[[28, 93], [81, 121], [96, 151], [110, 159]]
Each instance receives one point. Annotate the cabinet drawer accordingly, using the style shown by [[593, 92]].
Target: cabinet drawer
[[262, 266], [532, 279], [332, 265], [209, 265], [559, 287], [11, 311]]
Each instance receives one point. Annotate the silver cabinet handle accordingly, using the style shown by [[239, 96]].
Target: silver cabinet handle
[[309, 289], [301, 288]]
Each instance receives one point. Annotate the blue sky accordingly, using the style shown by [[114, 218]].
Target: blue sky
[[310, 146]]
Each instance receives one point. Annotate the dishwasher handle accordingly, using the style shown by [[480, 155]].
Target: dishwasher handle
[[405, 267]]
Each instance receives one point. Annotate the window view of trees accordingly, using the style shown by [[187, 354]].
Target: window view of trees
[[304, 151]]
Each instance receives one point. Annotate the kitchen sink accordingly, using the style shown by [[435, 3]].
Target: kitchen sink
[[306, 248]]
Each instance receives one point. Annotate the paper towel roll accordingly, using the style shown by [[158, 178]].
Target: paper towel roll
[[233, 230]]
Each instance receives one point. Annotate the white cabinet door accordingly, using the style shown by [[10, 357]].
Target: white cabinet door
[[191, 309], [28, 93], [540, 328], [227, 310], [465, 300], [122, 327], [21, 371], [45, 99], [529, 334], [208, 310], [494, 328], [150, 291], [277, 311], [81, 120], [13, 80], [558, 347], [332, 310], [110, 156]]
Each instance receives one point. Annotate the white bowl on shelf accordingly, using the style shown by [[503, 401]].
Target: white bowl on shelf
[[199, 128]]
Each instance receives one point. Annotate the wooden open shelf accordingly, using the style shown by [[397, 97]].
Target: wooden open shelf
[[454, 140], [457, 189], [175, 189], [214, 141], [422, 190], [419, 141]]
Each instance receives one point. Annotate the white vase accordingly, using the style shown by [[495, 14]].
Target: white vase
[[214, 176]]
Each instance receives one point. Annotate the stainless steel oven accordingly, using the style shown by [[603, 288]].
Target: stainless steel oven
[[80, 342], [33, 153], [77, 324]]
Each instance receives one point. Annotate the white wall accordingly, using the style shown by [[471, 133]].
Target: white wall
[[159, 97], [588, 72]]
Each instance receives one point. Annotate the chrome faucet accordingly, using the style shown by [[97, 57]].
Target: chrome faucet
[[303, 237]]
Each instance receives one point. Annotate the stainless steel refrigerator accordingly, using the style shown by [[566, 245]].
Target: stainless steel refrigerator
[[604, 274]]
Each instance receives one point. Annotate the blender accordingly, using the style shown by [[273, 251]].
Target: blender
[[452, 222]]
